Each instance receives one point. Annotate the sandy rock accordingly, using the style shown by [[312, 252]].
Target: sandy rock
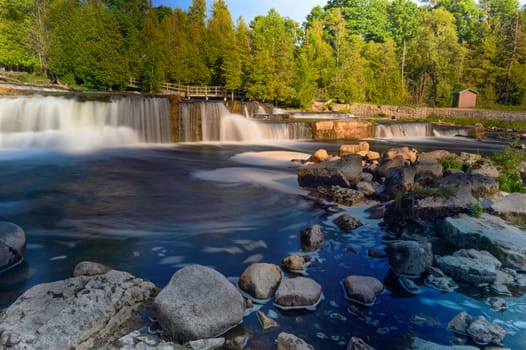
[[406, 153], [260, 280], [319, 156], [345, 150], [198, 303], [75, 313]]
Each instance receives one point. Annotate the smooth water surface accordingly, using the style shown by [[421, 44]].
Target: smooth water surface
[[153, 210]]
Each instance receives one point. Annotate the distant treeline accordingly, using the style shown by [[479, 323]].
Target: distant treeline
[[378, 51]]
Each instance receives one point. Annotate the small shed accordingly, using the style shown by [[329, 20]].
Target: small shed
[[464, 98]]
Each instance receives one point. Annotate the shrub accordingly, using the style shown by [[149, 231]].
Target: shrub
[[451, 162], [475, 210]]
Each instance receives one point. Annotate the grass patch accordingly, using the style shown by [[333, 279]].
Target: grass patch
[[489, 123], [451, 162], [475, 210], [509, 160], [518, 221]]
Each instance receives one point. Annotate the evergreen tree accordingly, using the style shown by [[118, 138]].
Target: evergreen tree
[[220, 40], [237, 58]]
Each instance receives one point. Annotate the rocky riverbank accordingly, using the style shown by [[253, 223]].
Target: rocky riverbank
[[430, 241]]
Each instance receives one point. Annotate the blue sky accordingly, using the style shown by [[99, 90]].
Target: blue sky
[[295, 9]]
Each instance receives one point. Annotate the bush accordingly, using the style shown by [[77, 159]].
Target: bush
[[451, 162], [510, 162], [475, 210]]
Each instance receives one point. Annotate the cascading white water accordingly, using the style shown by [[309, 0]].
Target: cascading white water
[[67, 122], [401, 130], [209, 121]]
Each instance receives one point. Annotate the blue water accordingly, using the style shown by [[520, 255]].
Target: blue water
[[152, 210]]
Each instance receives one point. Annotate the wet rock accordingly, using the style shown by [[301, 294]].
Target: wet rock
[[297, 292], [12, 244], [78, 312], [362, 289], [347, 223], [376, 254], [340, 195], [443, 283], [206, 344], [343, 172], [468, 270], [260, 280], [480, 255], [497, 304], [358, 344], [484, 167], [511, 206], [478, 328], [421, 344], [198, 303], [500, 289], [265, 321], [89, 268], [286, 341], [409, 258], [399, 179], [506, 242], [409, 285], [236, 342], [311, 238], [294, 263], [319, 156]]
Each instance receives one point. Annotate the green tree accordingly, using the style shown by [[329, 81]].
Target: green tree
[[153, 54], [237, 58], [435, 58], [220, 40], [15, 48], [196, 60], [466, 14]]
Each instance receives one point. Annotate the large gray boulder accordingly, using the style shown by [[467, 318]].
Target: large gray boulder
[[488, 232], [409, 258], [511, 206], [287, 341], [479, 185], [399, 179], [260, 280], [78, 312], [343, 172], [297, 292], [468, 270], [484, 167], [198, 303], [12, 244]]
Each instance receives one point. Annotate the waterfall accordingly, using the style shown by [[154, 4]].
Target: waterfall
[[402, 130], [68, 122], [211, 121]]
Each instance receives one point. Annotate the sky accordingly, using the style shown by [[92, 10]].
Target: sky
[[295, 9]]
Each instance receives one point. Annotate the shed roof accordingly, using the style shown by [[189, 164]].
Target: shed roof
[[458, 91]]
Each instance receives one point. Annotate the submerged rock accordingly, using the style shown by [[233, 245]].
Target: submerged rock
[[409, 258], [198, 303], [78, 312], [260, 280], [358, 344], [265, 321], [298, 292], [286, 341], [12, 244], [362, 289], [311, 238]]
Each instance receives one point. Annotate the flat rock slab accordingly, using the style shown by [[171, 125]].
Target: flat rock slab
[[468, 270], [298, 292], [198, 303], [75, 313], [505, 242]]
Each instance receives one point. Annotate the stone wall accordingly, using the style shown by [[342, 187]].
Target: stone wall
[[341, 129], [368, 110]]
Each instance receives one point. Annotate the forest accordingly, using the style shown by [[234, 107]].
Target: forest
[[373, 51]]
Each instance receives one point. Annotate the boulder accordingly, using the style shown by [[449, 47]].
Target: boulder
[[198, 303], [434, 156], [478, 328], [341, 195], [362, 289], [286, 341], [511, 206], [260, 280], [428, 173], [484, 167], [358, 344], [406, 153], [409, 258], [469, 158], [319, 156], [345, 150], [89, 268], [399, 180], [488, 232], [366, 188], [396, 162], [468, 270], [478, 185], [343, 172], [372, 155], [12, 244], [139, 341], [294, 263], [311, 238], [347, 223], [297, 292], [78, 312], [421, 344]]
